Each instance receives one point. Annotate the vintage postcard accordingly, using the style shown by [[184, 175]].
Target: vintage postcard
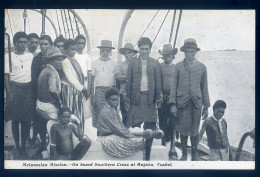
[[129, 89]]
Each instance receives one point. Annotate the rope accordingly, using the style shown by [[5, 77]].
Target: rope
[[161, 25], [63, 23], [58, 20], [148, 24], [66, 20], [177, 29], [10, 23], [76, 22], [71, 24], [173, 20]]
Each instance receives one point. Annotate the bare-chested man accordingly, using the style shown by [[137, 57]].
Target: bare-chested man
[[62, 147]]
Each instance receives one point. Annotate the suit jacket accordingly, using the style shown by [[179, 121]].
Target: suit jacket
[[190, 83], [133, 81]]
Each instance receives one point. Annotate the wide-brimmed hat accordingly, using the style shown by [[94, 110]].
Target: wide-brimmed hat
[[127, 47], [189, 44], [167, 49], [106, 44], [54, 53]]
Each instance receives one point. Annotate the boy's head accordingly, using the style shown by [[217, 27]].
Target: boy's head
[[64, 115], [144, 45], [70, 47], [81, 42], [128, 51], [45, 43], [59, 42], [33, 42], [20, 41], [168, 53], [112, 97], [219, 108]]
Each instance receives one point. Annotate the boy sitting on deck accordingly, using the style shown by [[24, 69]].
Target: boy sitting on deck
[[62, 147], [216, 130]]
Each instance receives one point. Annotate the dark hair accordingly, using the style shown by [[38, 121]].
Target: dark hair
[[219, 104], [110, 92], [19, 35], [46, 37], [33, 35], [62, 110], [145, 41], [68, 43], [80, 36], [59, 39]]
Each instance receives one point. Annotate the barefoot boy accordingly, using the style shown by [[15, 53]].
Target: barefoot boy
[[216, 130], [62, 147]]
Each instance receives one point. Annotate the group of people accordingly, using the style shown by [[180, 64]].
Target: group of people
[[49, 92]]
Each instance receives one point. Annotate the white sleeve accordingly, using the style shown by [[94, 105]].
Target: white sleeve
[[7, 69], [89, 63], [70, 75]]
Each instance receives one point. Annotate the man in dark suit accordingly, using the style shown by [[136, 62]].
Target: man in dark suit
[[143, 90], [189, 95]]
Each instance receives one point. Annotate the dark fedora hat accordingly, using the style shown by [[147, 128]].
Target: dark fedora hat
[[54, 53], [106, 44], [127, 47], [167, 49], [189, 43]]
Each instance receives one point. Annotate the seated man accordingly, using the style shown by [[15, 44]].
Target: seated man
[[115, 138], [62, 147]]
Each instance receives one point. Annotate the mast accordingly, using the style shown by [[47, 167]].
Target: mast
[[48, 18], [121, 33], [43, 11], [24, 19], [84, 28]]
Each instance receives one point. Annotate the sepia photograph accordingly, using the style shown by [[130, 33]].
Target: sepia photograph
[[129, 89]]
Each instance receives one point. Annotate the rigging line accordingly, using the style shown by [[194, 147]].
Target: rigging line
[[173, 21], [161, 25], [10, 23], [178, 25], [148, 24], [58, 20], [76, 22], [71, 24], [63, 23], [66, 20]]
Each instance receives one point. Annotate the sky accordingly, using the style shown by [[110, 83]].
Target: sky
[[212, 29]]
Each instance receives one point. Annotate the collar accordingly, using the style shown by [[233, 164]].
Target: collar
[[111, 107], [194, 62], [19, 53], [168, 64], [145, 59], [220, 120], [102, 59]]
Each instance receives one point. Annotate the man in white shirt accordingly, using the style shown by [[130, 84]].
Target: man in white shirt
[[19, 104], [83, 59], [103, 72]]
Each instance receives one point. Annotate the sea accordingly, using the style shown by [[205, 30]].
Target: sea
[[231, 77]]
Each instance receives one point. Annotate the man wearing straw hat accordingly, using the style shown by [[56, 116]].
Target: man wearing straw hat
[[166, 118], [189, 94], [103, 77], [130, 53]]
